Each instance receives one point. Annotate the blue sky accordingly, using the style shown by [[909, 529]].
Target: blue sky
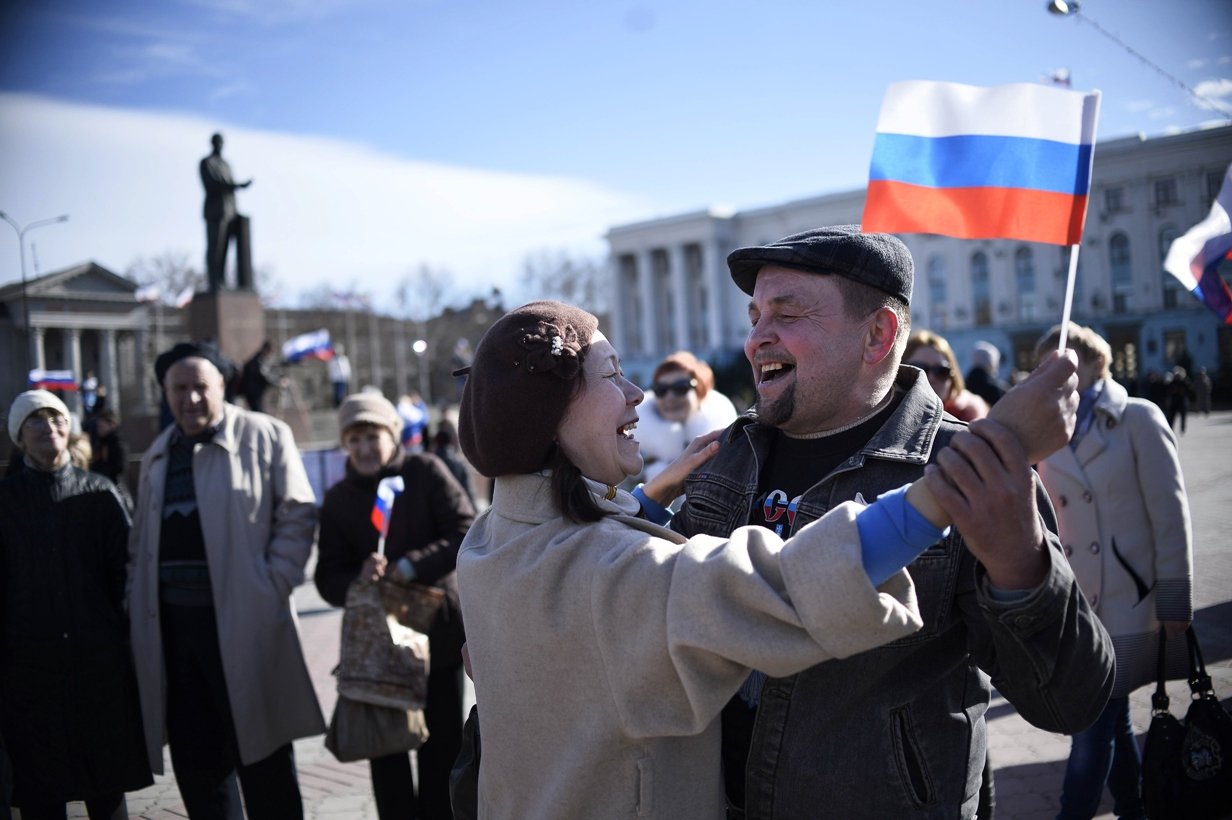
[[386, 134]]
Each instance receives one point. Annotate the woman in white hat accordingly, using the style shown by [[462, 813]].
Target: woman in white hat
[[68, 694]]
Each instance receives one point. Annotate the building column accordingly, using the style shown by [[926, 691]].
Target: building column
[[645, 289], [74, 365], [374, 344], [107, 364], [680, 295], [715, 289], [145, 379], [620, 327], [38, 357]]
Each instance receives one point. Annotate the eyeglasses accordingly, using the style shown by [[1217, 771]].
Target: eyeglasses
[[679, 388], [940, 371]]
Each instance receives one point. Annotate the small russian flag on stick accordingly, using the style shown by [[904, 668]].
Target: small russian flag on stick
[[389, 489]]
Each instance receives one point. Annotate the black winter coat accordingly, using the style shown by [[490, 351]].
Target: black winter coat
[[428, 522], [68, 694]]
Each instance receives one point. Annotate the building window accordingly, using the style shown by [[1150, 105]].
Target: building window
[[1172, 286], [1166, 193], [1119, 263], [937, 297], [1114, 200], [1024, 275], [1214, 182], [981, 295]]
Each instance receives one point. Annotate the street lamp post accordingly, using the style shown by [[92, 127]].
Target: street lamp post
[[420, 347], [21, 242]]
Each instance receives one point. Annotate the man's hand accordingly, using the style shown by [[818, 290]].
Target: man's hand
[[984, 483], [1040, 410], [664, 488]]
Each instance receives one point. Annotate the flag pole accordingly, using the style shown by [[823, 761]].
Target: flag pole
[[1069, 296]]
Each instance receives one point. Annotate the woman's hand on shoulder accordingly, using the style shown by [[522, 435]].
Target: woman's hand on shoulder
[[669, 483]]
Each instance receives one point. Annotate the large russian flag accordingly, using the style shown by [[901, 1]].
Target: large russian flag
[[1194, 259], [1007, 162], [314, 345]]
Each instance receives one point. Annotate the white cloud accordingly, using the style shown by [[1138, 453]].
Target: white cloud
[[1196, 63], [1217, 92], [323, 211]]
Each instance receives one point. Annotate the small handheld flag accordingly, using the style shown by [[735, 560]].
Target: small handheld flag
[[1007, 162], [389, 489], [1194, 258]]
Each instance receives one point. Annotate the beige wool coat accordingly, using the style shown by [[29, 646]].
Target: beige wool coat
[[603, 653], [1124, 524], [258, 516]]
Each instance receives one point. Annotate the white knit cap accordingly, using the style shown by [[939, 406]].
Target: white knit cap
[[29, 402]]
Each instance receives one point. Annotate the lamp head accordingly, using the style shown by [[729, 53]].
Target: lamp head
[[1061, 7]]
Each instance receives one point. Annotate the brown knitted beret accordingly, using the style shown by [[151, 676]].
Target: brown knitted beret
[[524, 375]]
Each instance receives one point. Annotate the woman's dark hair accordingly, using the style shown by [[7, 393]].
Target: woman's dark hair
[[568, 486], [570, 490]]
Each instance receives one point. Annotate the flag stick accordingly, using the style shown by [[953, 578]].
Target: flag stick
[[380, 545], [1069, 296]]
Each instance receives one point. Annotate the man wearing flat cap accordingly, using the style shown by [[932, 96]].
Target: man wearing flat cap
[[897, 731], [224, 524]]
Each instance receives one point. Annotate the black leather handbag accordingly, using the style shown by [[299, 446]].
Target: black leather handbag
[[1187, 765]]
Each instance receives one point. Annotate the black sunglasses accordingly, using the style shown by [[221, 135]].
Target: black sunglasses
[[941, 371], [680, 388]]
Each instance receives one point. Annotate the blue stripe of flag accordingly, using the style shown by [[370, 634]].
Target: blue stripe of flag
[[979, 161]]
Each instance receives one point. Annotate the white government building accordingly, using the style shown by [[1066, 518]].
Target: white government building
[[672, 289]]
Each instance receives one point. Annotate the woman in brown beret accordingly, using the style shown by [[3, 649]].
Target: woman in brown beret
[[603, 647], [426, 526]]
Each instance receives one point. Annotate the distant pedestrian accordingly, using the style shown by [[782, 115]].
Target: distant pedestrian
[[1176, 406], [340, 374], [69, 713], [1202, 392], [89, 391], [983, 379], [257, 377]]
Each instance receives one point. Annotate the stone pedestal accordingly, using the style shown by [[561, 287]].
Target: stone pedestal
[[233, 319]]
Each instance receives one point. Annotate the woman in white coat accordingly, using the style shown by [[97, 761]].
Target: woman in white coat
[[604, 647], [1124, 519]]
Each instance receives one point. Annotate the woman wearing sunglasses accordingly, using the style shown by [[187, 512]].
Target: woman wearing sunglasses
[[680, 405], [932, 354]]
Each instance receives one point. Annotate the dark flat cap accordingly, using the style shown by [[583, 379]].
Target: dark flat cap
[[876, 259], [199, 350], [526, 371]]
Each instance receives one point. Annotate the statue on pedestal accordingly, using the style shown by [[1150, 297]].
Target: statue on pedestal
[[222, 221]]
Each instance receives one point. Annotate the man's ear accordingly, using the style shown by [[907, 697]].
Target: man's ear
[[881, 333]]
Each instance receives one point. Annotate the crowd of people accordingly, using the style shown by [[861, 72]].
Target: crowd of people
[[666, 608]]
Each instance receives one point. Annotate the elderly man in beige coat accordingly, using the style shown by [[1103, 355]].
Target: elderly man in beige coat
[[224, 525]]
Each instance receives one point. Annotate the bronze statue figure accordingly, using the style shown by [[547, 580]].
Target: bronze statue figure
[[221, 219]]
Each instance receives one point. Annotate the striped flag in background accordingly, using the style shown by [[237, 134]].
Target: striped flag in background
[[1194, 259], [1007, 162]]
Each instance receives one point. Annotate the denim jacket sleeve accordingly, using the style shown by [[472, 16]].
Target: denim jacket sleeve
[[1047, 652]]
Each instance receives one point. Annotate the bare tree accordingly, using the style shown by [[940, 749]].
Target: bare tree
[[559, 275], [421, 295], [170, 271]]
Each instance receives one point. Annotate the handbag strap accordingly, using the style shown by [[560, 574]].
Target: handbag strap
[[1159, 700], [1199, 681]]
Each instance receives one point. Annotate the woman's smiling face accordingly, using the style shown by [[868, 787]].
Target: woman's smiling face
[[596, 432]]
